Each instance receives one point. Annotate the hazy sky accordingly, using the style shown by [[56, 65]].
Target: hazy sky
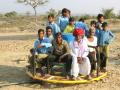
[[76, 6]]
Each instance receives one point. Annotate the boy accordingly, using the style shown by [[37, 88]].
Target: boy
[[92, 44], [63, 20], [100, 19], [49, 33], [42, 48], [106, 36], [69, 28], [52, 24], [61, 52]]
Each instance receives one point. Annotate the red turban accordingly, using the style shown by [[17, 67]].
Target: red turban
[[78, 32]]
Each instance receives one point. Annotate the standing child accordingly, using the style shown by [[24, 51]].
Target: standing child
[[100, 19], [52, 24], [63, 20], [92, 44], [70, 27], [106, 36]]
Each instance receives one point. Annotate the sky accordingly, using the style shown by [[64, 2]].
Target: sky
[[76, 6]]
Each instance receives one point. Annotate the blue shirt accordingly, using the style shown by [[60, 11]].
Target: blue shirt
[[55, 28], [62, 22], [83, 26], [105, 37], [46, 44]]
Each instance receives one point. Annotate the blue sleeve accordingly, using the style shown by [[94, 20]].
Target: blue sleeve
[[112, 36], [57, 28], [58, 21], [36, 44], [86, 29], [47, 43]]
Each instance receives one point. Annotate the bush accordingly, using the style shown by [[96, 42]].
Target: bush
[[11, 14]]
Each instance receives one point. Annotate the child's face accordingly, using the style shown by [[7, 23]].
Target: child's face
[[51, 19], [92, 32], [101, 19], [66, 14], [41, 35], [105, 28], [59, 39], [71, 23], [93, 25], [49, 32]]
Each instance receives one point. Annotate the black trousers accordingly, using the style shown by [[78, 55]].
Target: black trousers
[[67, 59], [92, 59]]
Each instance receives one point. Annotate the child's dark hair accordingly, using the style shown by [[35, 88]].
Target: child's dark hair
[[64, 10], [99, 16], [40, 30], [104, 24], [51, 15], [71, 19], [93, 22], [58, 34], [48, 27], [82, 19]]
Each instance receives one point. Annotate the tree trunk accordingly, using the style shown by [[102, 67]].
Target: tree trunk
[[35, 16]]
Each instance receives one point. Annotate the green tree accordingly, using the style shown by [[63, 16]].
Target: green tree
[[108, 13]]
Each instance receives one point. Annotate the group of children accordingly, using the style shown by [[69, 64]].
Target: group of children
[[80, 55]]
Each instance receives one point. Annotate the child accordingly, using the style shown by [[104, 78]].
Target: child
[[49, 33], [92, 43], [106, 36], [93, 23], [69, 28], [52, 24], [63, 20], [100, 19]]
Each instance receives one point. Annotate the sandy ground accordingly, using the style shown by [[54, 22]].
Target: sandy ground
[[13, 59]]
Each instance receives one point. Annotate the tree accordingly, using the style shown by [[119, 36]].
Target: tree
[[108, 13], [34, 4], [52, 11]]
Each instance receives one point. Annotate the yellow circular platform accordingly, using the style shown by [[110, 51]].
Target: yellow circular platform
[[62, 80]]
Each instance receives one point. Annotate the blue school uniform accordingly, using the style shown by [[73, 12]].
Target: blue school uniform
[[62, 22], [55, 28], [46, 44], [105, 37]]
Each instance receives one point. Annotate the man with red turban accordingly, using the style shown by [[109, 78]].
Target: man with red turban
[[79, 52]]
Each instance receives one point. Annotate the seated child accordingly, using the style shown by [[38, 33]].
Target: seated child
[[61, 52], [49, 33]]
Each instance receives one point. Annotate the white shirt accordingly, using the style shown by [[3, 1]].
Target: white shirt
[[93, 43]]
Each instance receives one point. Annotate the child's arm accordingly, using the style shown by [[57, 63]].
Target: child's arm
[[112, 36], [57, 28]]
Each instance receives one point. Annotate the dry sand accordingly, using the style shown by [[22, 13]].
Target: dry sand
[[13, 59]]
